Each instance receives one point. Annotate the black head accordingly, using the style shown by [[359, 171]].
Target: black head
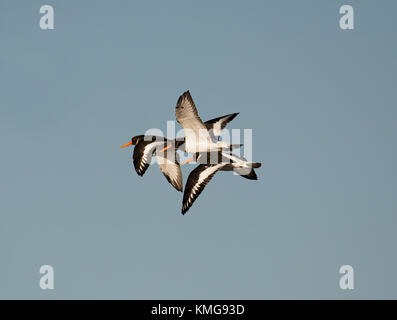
[[134, 141]]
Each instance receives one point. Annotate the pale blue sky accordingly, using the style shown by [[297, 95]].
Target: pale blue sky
[[322, 106]]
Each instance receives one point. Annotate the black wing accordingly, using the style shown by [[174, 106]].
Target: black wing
[[143, 153], [168, 162], [218, 124], [196, 183]]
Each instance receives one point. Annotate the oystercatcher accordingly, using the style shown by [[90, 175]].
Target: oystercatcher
[[168, 160], [207, 168], [197, 135]]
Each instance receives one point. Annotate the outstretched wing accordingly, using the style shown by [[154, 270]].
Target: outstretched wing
[[142, 156], [196, 183], [246, 173], [215, 126], [168, 162], [241, 166], [187, 115]]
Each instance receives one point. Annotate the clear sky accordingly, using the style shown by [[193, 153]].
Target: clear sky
[[322, 106]]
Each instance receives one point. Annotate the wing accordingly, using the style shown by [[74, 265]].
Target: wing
[[187, 115], [246, 173], [169, 166], [234, 158], [142, 156], [241, 166], [218, 124], [240, 161], [196, 183]]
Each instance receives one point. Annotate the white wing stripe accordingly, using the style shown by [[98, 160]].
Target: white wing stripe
[[147, 153], [202, 176]]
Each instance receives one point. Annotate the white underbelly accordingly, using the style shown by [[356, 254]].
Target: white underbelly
[[193, 146]]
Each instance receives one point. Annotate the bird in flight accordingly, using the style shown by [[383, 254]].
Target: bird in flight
[[197, 136], [167, 158], [209, 164]]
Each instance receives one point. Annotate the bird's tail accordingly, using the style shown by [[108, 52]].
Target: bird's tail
[[254, 164], [251, 175], [248, 171]]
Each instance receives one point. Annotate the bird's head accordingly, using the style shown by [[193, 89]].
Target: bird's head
[[134, 141]]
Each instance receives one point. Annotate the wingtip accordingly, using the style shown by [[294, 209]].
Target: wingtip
[[184, 95], [178, 188], [184, 209], [234, 115]]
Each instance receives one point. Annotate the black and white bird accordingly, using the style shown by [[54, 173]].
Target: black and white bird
[[198, 137], [201, 139], [165, 151], [211, 163], [168, 160]]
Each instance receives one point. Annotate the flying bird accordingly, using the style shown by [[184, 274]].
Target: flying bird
[[167, 158], [197, 135], [211, 163], [202, 140]]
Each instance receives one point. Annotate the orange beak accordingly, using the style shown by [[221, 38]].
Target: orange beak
[[127, 144], [166, 148], [188, 160]]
